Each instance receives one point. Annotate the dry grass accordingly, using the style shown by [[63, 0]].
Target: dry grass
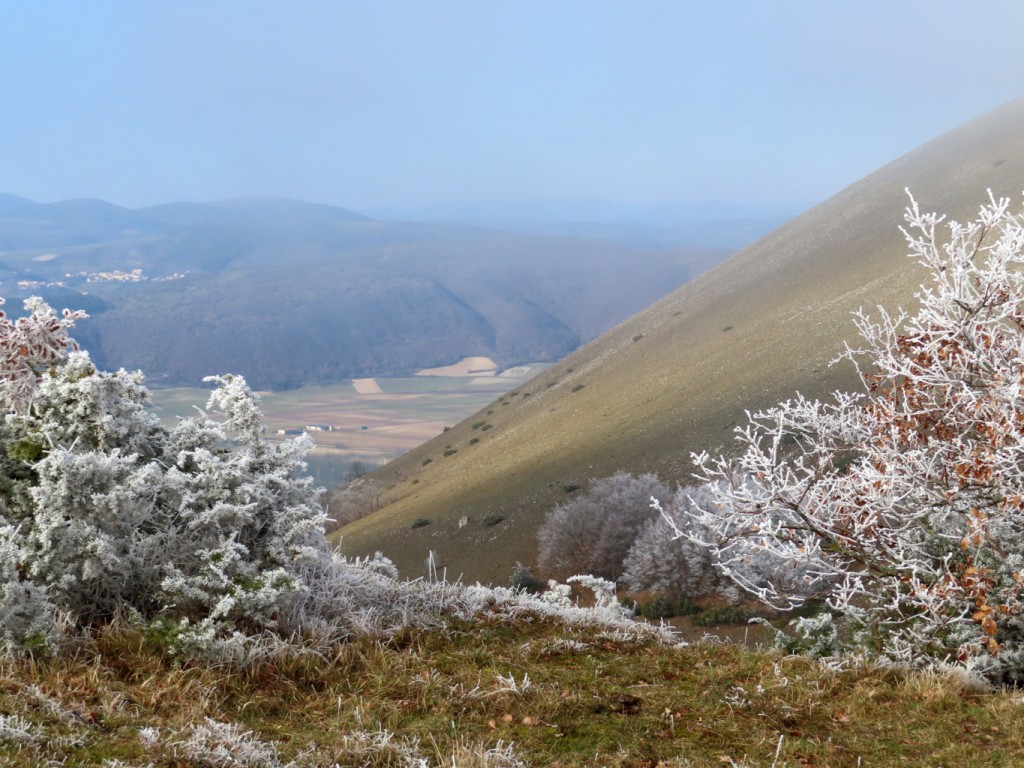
[[462, 696]]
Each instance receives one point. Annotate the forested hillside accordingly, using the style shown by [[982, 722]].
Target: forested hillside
[[291, 294]]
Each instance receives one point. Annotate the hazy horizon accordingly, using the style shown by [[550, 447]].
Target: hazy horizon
[[537, 210], [405, 105]]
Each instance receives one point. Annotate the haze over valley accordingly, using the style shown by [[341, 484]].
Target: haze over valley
[[293, 294]]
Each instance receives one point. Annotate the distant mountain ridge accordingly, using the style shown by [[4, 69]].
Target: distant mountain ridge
[[677, 377], [85, 221], [289, 293]]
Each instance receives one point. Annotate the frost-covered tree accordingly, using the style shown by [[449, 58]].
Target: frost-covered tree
[[592, 533], [662, 563], [670, 556], [106, 510], [28, 346], [359, 498], [906, 499]]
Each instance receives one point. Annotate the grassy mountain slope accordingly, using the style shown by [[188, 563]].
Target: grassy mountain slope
[[677, 377]]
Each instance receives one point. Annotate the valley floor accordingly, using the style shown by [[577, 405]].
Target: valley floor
[[366, 420]]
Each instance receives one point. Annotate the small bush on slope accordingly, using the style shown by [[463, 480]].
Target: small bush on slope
[[674, 568], [359, 498], [593, 533], [906, 499]]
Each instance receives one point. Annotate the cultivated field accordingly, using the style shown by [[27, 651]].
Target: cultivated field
[[372, 420]]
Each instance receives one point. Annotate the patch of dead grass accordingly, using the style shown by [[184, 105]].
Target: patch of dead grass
[[560, 696]]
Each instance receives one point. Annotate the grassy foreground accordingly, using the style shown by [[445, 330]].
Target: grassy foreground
[[534, 693]]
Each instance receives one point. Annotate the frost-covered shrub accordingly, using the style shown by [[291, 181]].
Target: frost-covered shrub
[[105, 509], [593, 532], [26, 613], [249, 521], [356, 500], [666, 564], [523, 579], [907, 498]]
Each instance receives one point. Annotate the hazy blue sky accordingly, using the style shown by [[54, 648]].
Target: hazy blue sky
[[376, 103]]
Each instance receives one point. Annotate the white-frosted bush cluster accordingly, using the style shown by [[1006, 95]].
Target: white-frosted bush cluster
[[104, 509], [666, 564], [615, 531], [593, 532], [349, 598]]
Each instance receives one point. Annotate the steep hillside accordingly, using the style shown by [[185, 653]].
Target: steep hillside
[[677, 377], [290, 294]]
